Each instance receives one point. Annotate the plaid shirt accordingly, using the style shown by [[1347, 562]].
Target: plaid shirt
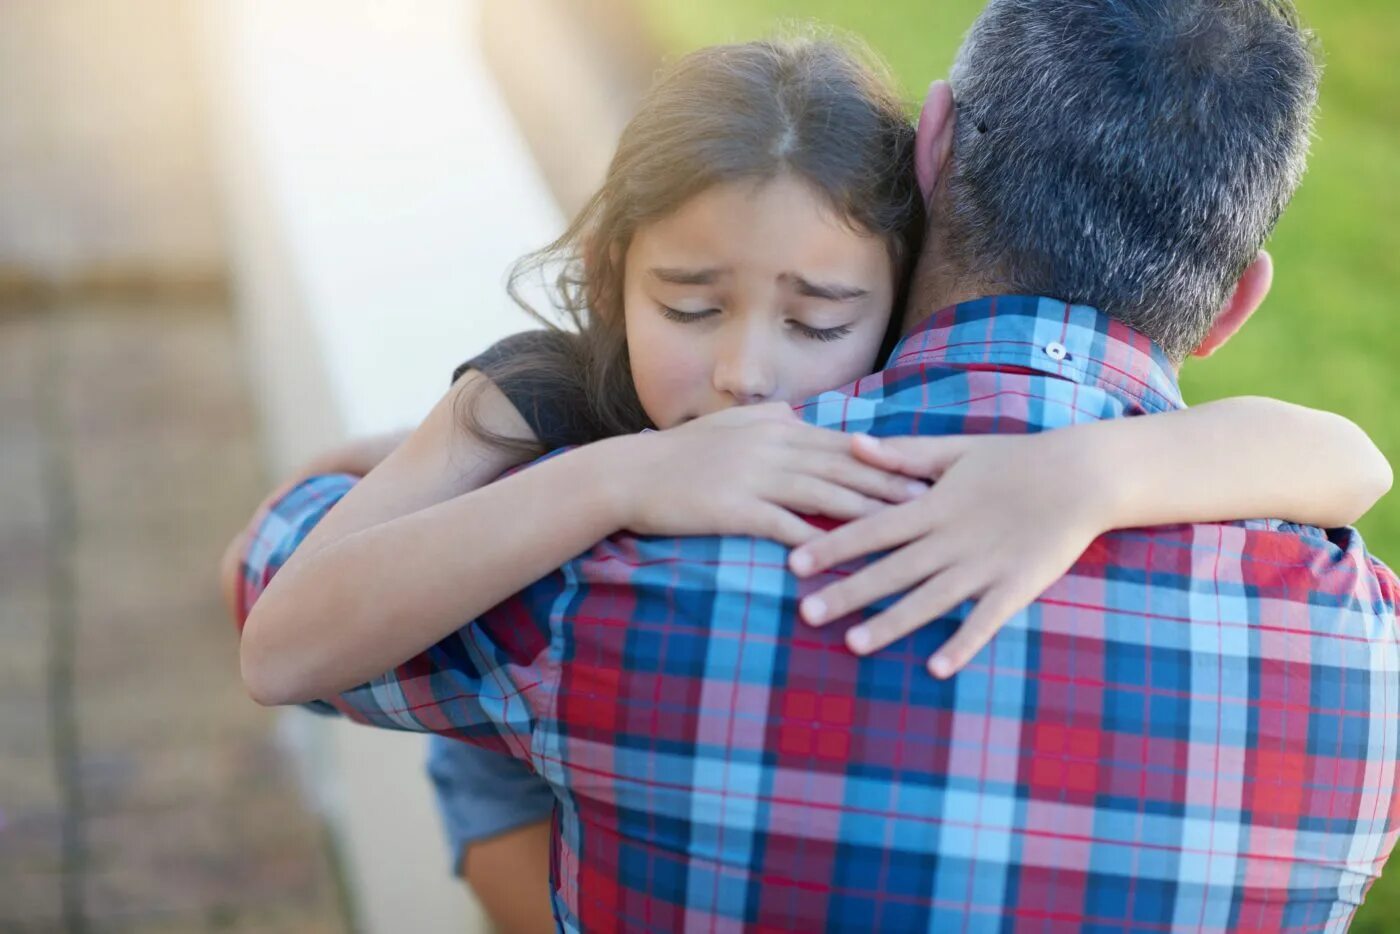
[[1196, 728]]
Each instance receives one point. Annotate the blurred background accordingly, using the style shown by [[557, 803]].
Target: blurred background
[[234, 233]]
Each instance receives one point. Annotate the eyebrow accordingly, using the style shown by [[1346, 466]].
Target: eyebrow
[[830, 291], [688, 276]]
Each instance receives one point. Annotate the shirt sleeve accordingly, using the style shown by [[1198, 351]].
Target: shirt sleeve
[[555, 409], [460, 687]]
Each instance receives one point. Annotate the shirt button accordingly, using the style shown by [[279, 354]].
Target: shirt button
[[1056, 351]]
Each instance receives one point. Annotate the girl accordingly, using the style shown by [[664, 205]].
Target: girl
[[747, 251]]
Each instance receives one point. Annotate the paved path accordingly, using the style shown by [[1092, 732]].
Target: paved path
[[140, 790]]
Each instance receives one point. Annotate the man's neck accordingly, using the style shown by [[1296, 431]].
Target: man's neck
[[933, 291], [922, 307], [937, 285]]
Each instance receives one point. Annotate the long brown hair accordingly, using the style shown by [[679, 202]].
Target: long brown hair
[[819, 107]]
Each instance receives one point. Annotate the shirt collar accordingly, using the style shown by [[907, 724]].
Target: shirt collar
[[1073, 342]]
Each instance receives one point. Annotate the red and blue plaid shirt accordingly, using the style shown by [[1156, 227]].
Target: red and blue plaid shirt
[[1196, 728]]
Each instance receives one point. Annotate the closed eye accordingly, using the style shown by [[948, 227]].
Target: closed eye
[[686, 317], [821, 334], [806, 330]]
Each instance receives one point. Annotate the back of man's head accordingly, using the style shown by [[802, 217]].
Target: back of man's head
[[1132, 155]]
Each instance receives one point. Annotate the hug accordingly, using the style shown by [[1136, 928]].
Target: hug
[[841, 552]]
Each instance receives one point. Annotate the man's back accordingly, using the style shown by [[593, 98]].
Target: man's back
[[1195, 728]]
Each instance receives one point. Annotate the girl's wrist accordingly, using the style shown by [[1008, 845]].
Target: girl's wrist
[[1098, 490], [614, 468]]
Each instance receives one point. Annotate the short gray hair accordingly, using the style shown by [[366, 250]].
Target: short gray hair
[[1132, 155]]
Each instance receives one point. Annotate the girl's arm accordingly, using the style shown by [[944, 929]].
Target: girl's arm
[[405, 559], [358, 456], [291, 625], [1009, 515], [1239, 458], [436, 461]]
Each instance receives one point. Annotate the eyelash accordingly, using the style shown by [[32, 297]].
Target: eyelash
[[819, 334]]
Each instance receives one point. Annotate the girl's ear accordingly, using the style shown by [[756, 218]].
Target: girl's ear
[[933, 141]]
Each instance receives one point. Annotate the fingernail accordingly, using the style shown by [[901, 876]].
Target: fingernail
[[867, 441], [858, 639], [916, 489], [801, 562], [814, 610], [940, 667]]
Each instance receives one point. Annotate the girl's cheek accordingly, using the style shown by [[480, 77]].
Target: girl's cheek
[[816, 375], [671, 376], [679, 386]]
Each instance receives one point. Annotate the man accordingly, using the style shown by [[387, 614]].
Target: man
[[1196, 728]]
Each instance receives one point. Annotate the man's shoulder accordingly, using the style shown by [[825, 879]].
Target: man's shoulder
[[1253, 560]]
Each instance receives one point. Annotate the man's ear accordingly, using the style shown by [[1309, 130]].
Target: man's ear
[[933, 141], [1249, 294]]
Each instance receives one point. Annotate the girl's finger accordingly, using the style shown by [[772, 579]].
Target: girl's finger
[[890, 575], [932, 600], [763, 412], [842, 468], [887, 529], [811, 437], [927, 458], [817, 497], [776, 523], [985, 621]]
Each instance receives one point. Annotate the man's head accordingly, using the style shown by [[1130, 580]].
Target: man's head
[[1132, 155]]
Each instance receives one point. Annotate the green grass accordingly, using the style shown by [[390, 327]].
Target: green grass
[[1326, 337]]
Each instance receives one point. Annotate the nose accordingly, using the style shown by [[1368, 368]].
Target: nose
[[745, 368]]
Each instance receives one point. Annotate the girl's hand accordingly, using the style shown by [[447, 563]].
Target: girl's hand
[[749, 470], [1007, 517]]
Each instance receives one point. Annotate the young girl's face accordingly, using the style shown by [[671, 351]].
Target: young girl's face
[[751, 292]]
